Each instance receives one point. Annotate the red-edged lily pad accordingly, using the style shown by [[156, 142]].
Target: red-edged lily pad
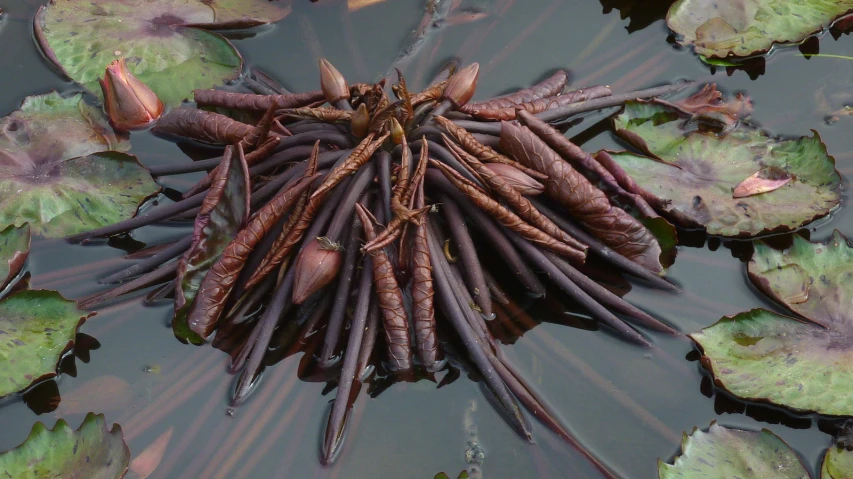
[[741, 183], [14, 249], [160, 39], [723, 453], [36, 329], [59, 170], [92, 451], [223, 214], [805, 366], [741, 28]]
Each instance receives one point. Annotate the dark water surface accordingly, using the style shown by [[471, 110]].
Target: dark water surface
[[627, 404]]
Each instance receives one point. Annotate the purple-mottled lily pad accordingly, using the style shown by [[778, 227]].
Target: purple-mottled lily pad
[[741, 28], [803, 365], [36, 329], [223, 214], [92, 451], [837, 464], [694, 175], [60, 171], [725, 453], [161, 40], [14, 249]]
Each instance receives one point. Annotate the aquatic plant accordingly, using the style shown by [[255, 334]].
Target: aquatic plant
[[315, 211]]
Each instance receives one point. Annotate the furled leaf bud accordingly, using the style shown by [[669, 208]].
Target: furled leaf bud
[[360, 121], [397, 132], [519, 180], [317, 265], [332, 83], [461, 86], [129, 103]]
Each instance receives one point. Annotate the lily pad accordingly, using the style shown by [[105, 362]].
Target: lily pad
[[765, 356], [92, 451], [57, 171], [694, 174], [740, 28], [36, 329], [837, 464], [223, 214], [160, 39], [14, 249], [723, 453], [811, 279]]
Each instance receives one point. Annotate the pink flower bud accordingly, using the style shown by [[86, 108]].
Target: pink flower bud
[[519, 180], [317, 265], [129, 103], [461, 86]]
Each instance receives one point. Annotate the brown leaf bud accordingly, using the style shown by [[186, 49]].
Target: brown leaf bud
[[332, 83], [318, 264], [461, 86], [519, 180]]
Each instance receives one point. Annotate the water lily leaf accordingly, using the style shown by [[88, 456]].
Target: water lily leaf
[[765, 356], [724, 453], [740, 28], [14, 249], [811, 279], [92, 451], [695, 174], [57, 171], [36, 329], [837, 464], [223, 214], [160, 39]]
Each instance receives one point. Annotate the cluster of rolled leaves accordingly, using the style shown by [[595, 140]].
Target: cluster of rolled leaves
[[359, 226]]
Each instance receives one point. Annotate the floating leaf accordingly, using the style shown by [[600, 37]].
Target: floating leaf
[[160, 39], [837, 464], [36, 329], [641, 13], [14, 249], [694, 174], [811, 279], [92, 451], [764, 356], [726, 453], [740, 28], [56, 170], [223, 213]]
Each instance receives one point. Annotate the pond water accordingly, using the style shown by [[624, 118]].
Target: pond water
[[627, 404]]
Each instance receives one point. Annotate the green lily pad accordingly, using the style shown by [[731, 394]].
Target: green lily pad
[[765, 356], [160, 39], [837, 464], [14, 249], [223, 214], [740, 28], [36, 329], [723, 453], [811, 279], [92, 451], [694, 174], [57, 170]]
